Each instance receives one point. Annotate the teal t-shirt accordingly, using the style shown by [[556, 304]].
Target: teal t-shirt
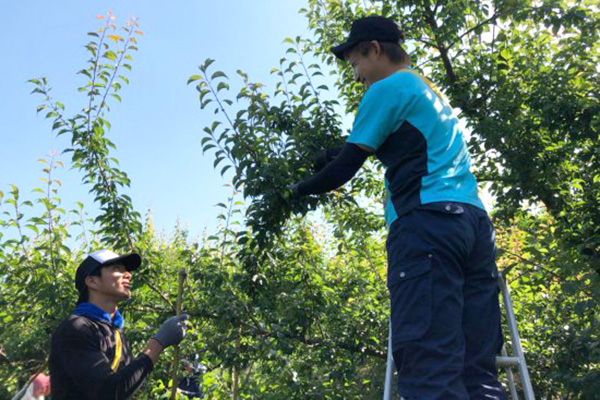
[[416, 135]]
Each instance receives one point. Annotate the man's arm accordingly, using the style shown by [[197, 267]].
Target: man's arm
[[336, 173], [381, 112], [126, 381], [81, 356], [153, 350], [324, 157]]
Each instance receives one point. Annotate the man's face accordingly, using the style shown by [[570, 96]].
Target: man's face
[[114, 282], [366, 67]]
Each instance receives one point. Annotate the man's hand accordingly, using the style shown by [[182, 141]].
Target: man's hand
[[324, 157], [172, 331]]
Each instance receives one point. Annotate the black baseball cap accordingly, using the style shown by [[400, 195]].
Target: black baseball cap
[[370, 28], [99, 259]]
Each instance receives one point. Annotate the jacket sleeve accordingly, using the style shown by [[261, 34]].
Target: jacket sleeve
[[81, 356], [335, 174]]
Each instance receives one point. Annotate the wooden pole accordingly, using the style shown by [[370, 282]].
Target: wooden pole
[[175, 370]]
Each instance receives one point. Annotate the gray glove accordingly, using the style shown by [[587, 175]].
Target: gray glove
[[172, 331]]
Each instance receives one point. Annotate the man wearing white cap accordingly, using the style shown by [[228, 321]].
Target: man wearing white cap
[[90, 357]]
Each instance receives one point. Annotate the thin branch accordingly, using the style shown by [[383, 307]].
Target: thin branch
[[479, 25], [318, 342], [427, 62], [299, 52], [283, 80], [49, 101], [94, 75], [430, 20], [18, 224], [428, 43], [83, 230], [554, 274], [116, 70], [216, 97], [226, 228], [226, 151], [50, 216], [162, 296]]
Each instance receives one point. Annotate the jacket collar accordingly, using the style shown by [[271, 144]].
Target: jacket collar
[[92, 311]]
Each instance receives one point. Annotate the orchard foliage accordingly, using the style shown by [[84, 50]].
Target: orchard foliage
[[110, 50], [288, 320], [36, 284], [557, 312], [267, 139], [295, 320], [283, 307], [524, 77]]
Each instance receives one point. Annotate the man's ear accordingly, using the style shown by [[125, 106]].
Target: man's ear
[[376, 47], [91, 282]]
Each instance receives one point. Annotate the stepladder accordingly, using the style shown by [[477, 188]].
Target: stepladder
[[510, 363]]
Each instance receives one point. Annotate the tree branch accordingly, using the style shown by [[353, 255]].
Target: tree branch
[[430, 20], [479, 25], [258, 331]]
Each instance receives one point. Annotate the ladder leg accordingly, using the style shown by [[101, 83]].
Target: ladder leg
[[510, 377], [516, 341], [389, 370]]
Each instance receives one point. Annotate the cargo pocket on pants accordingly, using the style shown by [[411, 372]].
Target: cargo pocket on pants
[[410, 294]]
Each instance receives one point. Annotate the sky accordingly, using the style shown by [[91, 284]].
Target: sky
[[158, 126]]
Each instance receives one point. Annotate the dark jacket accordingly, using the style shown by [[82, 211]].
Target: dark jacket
[[191, 386], [80, 358]]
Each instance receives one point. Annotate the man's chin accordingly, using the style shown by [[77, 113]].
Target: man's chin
[[126, 294]]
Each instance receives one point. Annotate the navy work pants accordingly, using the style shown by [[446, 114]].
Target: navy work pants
[[442, 279]]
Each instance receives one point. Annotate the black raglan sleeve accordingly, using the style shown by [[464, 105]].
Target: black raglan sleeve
[[337, 172], [78, 352]]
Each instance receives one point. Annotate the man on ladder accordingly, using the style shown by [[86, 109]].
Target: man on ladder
[[442, 277]]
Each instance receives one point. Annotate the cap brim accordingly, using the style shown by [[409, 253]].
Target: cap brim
[[341, 49], [130, 261]]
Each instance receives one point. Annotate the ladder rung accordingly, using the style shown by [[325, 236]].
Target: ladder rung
[[504, 362]]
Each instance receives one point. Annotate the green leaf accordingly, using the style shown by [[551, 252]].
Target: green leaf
[[224, 169], [57, 125], [206, 64], [218, 74], [208, 147], [194, 78], [222, 85], [110, 55]]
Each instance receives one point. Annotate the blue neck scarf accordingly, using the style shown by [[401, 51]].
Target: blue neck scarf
[[92, 311]]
